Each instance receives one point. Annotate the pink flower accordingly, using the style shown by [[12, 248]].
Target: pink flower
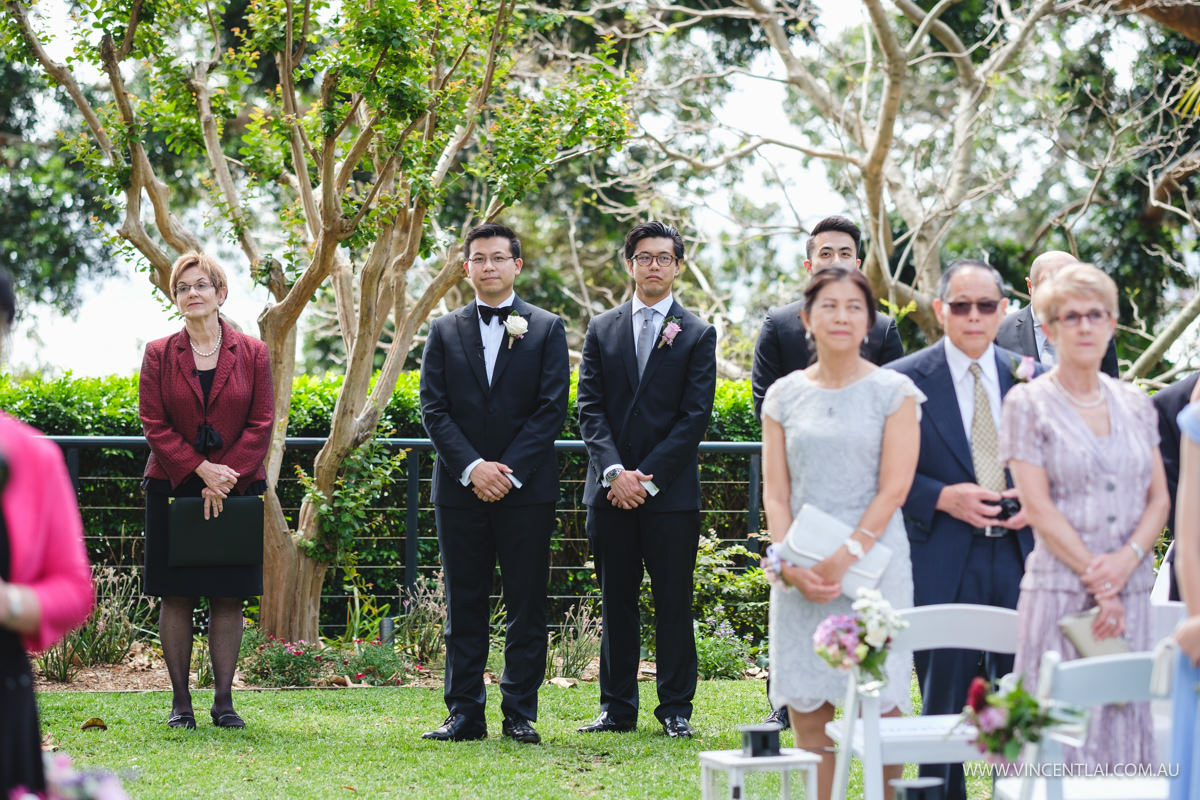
[[670, 330], [1025, 370], [992, 718]]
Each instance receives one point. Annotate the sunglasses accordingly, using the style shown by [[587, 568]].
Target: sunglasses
[[960, 308]]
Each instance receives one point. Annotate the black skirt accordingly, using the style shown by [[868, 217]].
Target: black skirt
[[162, 579], [20, 736]]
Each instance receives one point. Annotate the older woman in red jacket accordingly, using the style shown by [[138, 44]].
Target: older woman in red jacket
[[45, 581], [207, 408]]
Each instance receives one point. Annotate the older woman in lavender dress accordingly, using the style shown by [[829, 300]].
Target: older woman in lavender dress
[[1083, 451]]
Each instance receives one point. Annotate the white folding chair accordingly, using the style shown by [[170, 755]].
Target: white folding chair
[[932, 739], [1084, 683]]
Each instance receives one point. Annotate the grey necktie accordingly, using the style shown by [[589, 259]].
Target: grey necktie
[[985, 450], [645, 340]]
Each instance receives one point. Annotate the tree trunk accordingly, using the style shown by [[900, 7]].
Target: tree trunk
[[291, 601]]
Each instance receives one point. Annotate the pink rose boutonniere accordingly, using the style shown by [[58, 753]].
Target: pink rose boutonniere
[[1024, 369], [517, 326], [670, 330]]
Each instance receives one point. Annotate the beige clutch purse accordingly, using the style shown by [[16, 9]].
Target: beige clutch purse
[[1078, 630]]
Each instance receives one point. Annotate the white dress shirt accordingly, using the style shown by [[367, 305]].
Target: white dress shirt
[[492, 334], [964, 383]]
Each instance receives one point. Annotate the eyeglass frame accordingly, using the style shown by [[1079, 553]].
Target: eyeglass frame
[[481, 260], [1073, 319], [201, 286], [644, 259]]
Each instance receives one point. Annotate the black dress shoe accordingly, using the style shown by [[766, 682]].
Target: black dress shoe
[[458, 728], [606, 723], [182, 719], [520, 730], [779, 717], [678, 727], [226, 719]]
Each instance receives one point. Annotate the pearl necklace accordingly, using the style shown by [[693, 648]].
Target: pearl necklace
[[210, 353], [1082, 404]]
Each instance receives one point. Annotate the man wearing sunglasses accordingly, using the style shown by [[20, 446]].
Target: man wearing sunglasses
[[967, 534], [1022, 332]]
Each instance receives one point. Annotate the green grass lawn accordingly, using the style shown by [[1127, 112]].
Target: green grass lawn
[[366, 743]]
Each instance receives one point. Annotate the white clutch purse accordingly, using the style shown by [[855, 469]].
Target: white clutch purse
[[815, 535], [1077, 628]]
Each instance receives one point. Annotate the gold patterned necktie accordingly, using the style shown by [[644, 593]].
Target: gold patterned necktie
[[985, 449]]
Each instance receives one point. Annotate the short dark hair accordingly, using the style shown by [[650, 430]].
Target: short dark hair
[[836, 223], [943, 287], [824, 277], [652, 230], [8, 301], [493, 230]]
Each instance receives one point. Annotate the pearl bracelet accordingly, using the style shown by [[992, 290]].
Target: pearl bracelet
[[1138, 551]]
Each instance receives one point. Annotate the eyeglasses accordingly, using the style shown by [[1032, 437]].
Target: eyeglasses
[[199, 286], [960, 308], [499, 261], [662, 259], [1072, 318]]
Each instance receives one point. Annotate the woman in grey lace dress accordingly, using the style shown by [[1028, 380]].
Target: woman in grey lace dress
[[842, 435], [1083, 451]]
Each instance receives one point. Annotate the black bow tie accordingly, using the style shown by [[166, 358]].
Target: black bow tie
[[487, 313]]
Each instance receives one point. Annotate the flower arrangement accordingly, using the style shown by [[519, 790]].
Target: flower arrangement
[[1024, 369], [670, 330], [64, 782], [859, 641], [517, 326], [1008, 718]]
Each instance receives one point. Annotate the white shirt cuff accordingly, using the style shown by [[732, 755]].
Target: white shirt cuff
[[513, 480], [651, 489], [465, 480]]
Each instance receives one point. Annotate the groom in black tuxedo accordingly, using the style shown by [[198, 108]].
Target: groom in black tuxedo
[[645, 396], [494, 382], [961, 552]]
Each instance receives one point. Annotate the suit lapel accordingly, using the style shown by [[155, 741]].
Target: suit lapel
[[657, 354], [942, 407], [225, 364], [187, 365], [624, 339], [506, 352], [467, 322], [1005, 369]]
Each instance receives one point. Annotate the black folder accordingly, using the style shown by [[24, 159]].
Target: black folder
[[234, 539]]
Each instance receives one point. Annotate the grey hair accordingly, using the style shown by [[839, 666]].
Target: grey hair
[[943, 287]]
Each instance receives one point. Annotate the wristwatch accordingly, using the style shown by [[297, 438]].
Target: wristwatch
[[854, 547], [611, 473]]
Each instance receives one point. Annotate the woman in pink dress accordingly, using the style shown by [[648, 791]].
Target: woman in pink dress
[[45, 581], [1083, 451]]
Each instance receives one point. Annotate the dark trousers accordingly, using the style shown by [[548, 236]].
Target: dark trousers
[[665, 542], [471, 541], [992, 577]]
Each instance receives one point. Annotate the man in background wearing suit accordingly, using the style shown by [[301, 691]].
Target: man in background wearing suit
[[645, 396], [1169, 402], [782, 345], [1022, 332], [494, 382], [961, 551]]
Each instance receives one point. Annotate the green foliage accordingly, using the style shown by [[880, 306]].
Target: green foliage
[[373, 662], [576, 643], [365, 474], [730, 587], [420, 627], [202, 663], [363, 611], [720, 652], [57, 662], [268, 661], [121, 615]]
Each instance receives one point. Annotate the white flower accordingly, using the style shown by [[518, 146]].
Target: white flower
[[877, 636], [516, 325]]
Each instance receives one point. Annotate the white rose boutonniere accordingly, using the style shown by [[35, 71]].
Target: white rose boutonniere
[[517, 326]]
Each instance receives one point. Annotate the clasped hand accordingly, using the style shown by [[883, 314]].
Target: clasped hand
[[978, 507], [1110, 621], [489, 481], [1108, 572], [626, 490], [820, 584], [219, 481]]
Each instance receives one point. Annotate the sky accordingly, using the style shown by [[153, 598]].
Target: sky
[[108, 333]]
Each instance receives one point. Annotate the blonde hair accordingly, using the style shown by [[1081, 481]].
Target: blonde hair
[[1071, 282], [201, 262]]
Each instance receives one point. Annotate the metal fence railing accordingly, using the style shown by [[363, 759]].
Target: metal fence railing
[[401, 543]]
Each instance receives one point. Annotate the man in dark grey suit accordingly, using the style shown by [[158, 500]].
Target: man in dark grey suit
[[645, 396], [494, 383], [783, 346], [1022, 332], [1169, 402]]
